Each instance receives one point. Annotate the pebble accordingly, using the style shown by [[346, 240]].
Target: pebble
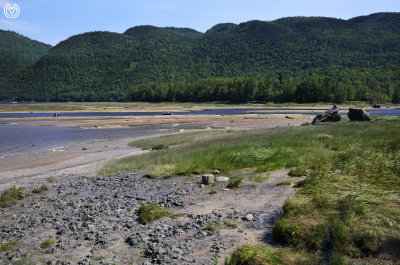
[[222, 179], [249, 217]]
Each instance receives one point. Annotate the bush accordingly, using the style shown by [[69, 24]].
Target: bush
[[159, 147], [12, 196], [235, 183], [9, 245], [298, 172], [40, 189], [48, 242], [149, 213], [254, 255]]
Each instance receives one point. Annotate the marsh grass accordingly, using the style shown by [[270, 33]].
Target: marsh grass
[[284, 183], [9, 246], [260, 255], [219, 226], [298, 172], [349, 202], [11, 196], [149, 213], [47, 243], [235, 183], [40, 189]]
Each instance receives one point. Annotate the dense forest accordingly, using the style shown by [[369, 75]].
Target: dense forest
[[296, 59], [16, 53]]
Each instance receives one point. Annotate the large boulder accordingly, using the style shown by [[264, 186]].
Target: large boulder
[[330, 115], [358, 115]]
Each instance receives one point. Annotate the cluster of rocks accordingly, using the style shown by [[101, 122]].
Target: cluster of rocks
[[208, 179], [333, 115], [87, 215]]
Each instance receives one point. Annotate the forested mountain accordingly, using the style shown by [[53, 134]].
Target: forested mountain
[[16, 53], [301, 59]]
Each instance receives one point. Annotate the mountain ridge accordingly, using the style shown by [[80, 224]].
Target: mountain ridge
[[105, 65]]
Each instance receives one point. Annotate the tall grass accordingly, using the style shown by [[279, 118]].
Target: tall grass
[[349, 203], [11, 196], [224, 150], [260, 255]]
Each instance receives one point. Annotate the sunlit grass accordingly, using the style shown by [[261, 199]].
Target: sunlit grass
[[12, 196], [261, 255], [349, 203]]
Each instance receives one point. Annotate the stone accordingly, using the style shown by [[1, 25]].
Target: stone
[[330, 115], [222, 179], [249, 217], [358, 115], [216, 172], [207, 179]]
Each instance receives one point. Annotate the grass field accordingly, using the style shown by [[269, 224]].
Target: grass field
[[348, 208]]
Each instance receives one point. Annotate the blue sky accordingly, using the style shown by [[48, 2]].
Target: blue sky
[[52, 21]]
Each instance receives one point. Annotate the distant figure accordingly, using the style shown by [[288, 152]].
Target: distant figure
[[57, 114]]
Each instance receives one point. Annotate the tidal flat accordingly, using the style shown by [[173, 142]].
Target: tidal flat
[[339, 204]]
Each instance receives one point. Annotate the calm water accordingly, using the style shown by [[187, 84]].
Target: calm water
[[383, 112]]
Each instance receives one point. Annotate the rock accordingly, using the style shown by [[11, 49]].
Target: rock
[[330, 115], [216, 172], [222, 179], [84, 148], [376, 106], [249, 217], [207, 179], [358, 115]]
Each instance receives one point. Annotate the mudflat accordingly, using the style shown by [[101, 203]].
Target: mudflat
[[75, 160]]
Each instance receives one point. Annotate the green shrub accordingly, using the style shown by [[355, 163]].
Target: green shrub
[[149, 213], [40, 189], [12, 196], [9, 246], [159, 147], [298, 172], [254, 255], [234, 183], [230, 224], [261, 255], [48, 242]]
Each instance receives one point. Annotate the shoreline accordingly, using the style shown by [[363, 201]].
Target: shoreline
[[73, 160]]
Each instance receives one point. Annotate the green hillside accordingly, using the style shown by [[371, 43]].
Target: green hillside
[[301, 59], [16, 53]]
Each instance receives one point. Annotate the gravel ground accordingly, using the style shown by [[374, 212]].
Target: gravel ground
[[95, 220]]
